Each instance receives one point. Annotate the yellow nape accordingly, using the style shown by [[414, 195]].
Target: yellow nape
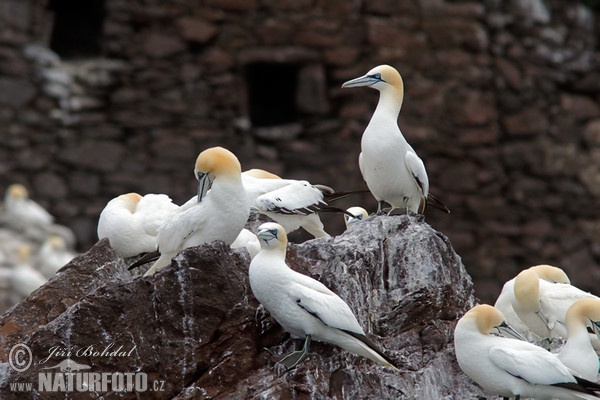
[[217, 160], [260, 174]]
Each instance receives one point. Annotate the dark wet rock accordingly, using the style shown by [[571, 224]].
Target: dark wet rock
[[195, 324]]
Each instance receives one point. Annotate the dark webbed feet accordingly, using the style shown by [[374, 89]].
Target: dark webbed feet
[[298, 355]]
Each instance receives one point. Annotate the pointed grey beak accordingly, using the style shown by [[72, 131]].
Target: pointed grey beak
[[267, 234], [204, 184], [596, 328], [508, 331], [543, 317], [366, 80]]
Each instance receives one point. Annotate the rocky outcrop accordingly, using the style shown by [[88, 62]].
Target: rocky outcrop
[[196, 325]]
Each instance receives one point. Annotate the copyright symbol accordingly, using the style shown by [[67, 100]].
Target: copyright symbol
[[20, 357]]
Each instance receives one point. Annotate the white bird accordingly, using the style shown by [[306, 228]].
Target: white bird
[[543, 305], [511, 367], [578, 354], [391, 168], [23, 211], [505, 299], [247, 240], [358, 214], [131, 222], [25, 279], [303, 306], [53, 255], [217, 215]]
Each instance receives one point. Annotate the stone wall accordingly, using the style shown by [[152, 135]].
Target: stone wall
[[502, 103]]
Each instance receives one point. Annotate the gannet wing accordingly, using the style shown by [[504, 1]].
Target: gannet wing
[[316, 299], [534, 365], [174, 232], [361, 165], [297, 197], [417, 169]]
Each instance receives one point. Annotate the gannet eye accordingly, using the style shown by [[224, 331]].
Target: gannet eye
[[377, 76], [273, 232]]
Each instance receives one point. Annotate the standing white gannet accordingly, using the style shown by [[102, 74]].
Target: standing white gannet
[[391, 168], [358, 214], [578, 354], [131, 222], [542, 305], [24, 278], [303, 306], [510, 367], [504, 301], [53, 255], [23, 211], [218, 215]]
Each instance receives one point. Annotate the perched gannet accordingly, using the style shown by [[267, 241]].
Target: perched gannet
[[358, 214], [302, 305], [25, 279], [542, 305], [53, 255], [21, 210], [131, 222], [578, 353], [391, 168], [217, 215], [247, 240], [510, 367], [505, 299]]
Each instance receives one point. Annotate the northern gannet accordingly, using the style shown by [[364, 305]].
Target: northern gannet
[[543, 305], [217, 215], [53, 255], [131, 221], [24, 278], [510, 367], [504, 301], [391, 168], [578, 354], [23, 211], [358, 214], [303, 306]]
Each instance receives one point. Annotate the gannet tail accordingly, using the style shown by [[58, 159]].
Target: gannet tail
[[436, 203], [367, 348], [145, 259]]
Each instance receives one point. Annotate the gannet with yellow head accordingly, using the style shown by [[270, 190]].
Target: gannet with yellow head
[[23, 211], [219, 214], [303, 306], [356, 214], [509, 367]]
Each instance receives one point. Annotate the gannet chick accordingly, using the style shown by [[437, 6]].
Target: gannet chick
[[53, 255], [247, 240], [391, 168], [504, 301], [131, 222], [218, 215], [509, 367], [25, 278], [542, 305], [302, 305], [23, 211], [578, 354], [358, 214]]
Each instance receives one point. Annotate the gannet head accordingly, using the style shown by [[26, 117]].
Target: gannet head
[[488, 319], [23, 253], [130, 200], [56, 242], [359, 214], [212, 163], [16, 191], [272, 236], [585, 311], [382, 78], [260, 174], [550, 273], [527, 290]]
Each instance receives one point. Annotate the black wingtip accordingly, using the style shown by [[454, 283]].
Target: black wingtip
[[436, 203], [145, 259]]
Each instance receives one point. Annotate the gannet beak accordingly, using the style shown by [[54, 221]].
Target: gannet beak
[[596, 328], [267, 234], [366, 80], [204, 184], [508, 331], [543, 317]]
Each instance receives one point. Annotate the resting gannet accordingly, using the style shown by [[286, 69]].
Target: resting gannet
[[23, 211], [24, 278], [131, 222], [578, 353], [217, 215], [358, 214], [302, 305], [506, 297], [542, 305], [391, 168], [53, 255], [510, 367]]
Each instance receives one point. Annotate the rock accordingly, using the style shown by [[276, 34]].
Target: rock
[[195, 327]]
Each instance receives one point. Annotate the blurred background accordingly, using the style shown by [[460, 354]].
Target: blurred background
[[502, 102]]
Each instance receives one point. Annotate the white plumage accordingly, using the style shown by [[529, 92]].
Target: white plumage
[[389, 165], [303, 306], [53, 255], [359, 213], [131, 222], [247, 240], [22, 211], [24, 278], [510, 367]]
